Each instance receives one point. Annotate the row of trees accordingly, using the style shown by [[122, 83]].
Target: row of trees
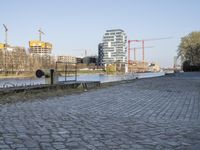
[[18, 61]]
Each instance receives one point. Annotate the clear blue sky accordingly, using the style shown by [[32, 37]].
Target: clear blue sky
[[80, 24]]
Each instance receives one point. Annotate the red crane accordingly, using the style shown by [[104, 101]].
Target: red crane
[[135, 48], [153, 39]]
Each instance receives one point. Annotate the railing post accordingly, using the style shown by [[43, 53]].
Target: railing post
[[65, 72], [75, 71]]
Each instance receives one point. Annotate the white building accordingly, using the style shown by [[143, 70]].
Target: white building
[[65, 58], [114, 47], [154, 67]]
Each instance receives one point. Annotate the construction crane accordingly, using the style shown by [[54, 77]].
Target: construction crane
[[85, 51], [40, 34], [6, 44], [135, 48], [6, 34], [142, 41]]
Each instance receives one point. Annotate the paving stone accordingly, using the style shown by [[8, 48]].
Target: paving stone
[[14, 146], [59, 146], [22, 148], [157, 113], [4, 146]]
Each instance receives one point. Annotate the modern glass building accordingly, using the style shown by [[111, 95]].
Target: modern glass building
[[100, 54], [114, 47]]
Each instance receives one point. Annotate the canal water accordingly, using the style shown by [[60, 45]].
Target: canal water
[[89, 77]]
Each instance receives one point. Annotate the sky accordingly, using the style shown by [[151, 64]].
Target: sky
[[75, 25]]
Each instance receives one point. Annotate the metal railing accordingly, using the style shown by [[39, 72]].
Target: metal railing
[[68, 70]]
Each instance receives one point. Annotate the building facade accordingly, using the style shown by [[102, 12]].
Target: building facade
[[90, 60], [40, 54], [70, 59], [100, 54], [153, 67], [1, 56], [79, 60], [39, 47], [1, 46], [114, 47]]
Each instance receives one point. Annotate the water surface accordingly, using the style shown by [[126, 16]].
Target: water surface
[[89, 77]]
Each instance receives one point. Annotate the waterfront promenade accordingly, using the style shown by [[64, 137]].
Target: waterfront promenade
[[155, 113]]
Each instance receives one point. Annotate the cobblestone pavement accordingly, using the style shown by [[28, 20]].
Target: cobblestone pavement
[[157, 113]]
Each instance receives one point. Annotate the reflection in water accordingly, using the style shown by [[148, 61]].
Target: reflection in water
[[90, 77], [20, 82]]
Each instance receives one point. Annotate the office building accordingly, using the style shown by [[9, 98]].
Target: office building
[[100, 54], [114, 47], [79, 60], [69, 59], [90, 60]]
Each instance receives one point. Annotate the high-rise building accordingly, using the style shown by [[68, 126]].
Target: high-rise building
[[39, 47], [114, 47], [100, 54], [40, 51]]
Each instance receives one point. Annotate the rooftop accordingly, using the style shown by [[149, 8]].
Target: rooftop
[[115, 30]]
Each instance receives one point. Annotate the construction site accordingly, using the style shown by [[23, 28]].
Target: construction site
[[114, 57], [19, 60], [136, 65]]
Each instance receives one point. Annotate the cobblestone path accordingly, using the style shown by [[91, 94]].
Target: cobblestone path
[[157, 113]]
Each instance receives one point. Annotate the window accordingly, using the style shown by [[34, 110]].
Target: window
[[109, 54], [114, 49], [109, 44]]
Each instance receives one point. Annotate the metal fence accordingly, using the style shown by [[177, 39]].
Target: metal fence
[[67, 70]]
